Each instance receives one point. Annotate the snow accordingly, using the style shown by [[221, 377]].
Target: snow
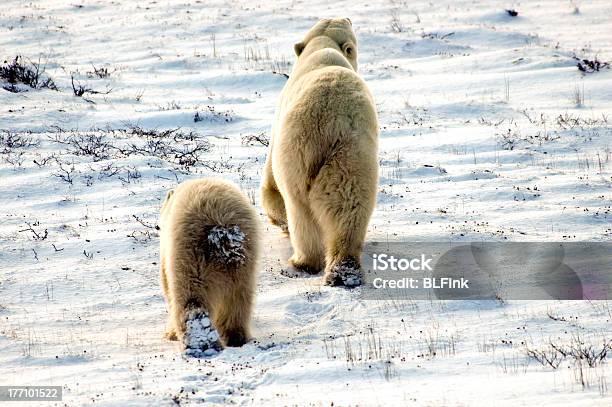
[[476, 110]]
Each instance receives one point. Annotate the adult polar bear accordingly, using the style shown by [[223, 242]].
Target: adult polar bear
[[321, 174]]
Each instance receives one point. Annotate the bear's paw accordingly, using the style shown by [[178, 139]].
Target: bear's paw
[[344, 273], [201, 338]]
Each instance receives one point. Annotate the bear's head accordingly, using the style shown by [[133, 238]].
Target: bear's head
[[334, 33]]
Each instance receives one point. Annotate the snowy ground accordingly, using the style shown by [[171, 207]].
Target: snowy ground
[[488, 132]]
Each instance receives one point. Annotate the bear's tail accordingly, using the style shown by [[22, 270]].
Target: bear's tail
[[225, 244]]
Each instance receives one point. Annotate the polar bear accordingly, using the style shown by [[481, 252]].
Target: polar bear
[[321, 174], [209, 250]]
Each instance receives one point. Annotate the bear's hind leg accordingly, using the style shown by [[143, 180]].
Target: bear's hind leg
[[305, 235], [272, 200], [189, 314], [342, 197], [170, 333], [233, 305]]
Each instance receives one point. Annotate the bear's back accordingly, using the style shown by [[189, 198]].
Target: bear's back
[[326, 95], [218, 201], [201, 207]]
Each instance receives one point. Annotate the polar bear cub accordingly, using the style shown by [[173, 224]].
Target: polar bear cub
[[321, 174], [209, 249]]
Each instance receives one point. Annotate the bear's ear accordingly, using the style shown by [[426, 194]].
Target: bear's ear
[[298, 48], [167, 200], [349, 49]]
